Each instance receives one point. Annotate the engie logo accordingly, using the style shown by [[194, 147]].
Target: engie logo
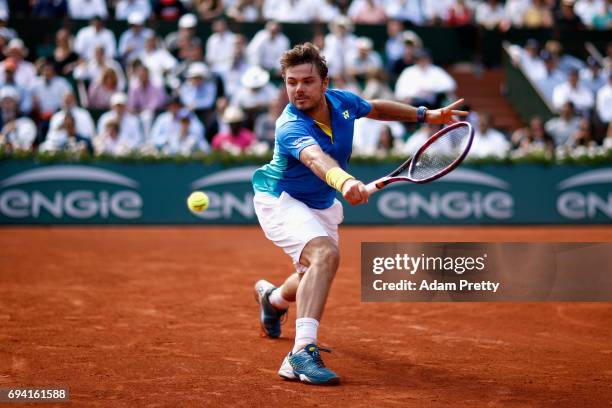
[[451, 204], [225, 204], [578, 205], [19, 200]]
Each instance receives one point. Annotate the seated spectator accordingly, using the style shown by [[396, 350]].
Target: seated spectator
[[132, 42], [424, 83], [327, 11], [460, 14], [388, 144], [265, 124], [158, 61], [125, 8], [92, 70], [566, 19], [87, 9], [412, 44], [573, 91], [538, 15], [604, 101], [267, 47], [145, 98], [514, 11], [130, 132], [177, 131], [346, 82], [553, 76], [238, 138], [25, 72], [488, 142], [406, 10], [376, 87], [532, 139], [245, 11], [49, 8], [363, 59], [603, 19], [368, 134], [82, 118], [290, 11], [566, 62], [255, 94], [367, 12], [231, 77], [102, 90], [593, 77], [185, 37], [531, 62], [90, 37], [208, 9], [418, 138], [64, 58], [48, 90], [561, 128], [394, 47], [25, 95], [489, 14], [220, 47], [64, 137], [584, 135], [17, 133], [112, 141], [588, 9], [169, 10], [338, 44], [436, 11]]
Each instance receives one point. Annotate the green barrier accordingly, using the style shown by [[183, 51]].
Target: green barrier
[[119, 193]]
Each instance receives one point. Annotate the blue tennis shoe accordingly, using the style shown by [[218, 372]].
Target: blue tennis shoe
[[307, 366], [269, 317]]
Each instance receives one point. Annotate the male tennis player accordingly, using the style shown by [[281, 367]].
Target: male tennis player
[[295, 197]]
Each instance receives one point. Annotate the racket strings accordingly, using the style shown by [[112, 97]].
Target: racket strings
[[440, 154]]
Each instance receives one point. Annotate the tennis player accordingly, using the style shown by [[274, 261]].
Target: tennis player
[[295, 197]]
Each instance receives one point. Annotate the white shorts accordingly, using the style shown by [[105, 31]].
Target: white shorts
[[291, 224]]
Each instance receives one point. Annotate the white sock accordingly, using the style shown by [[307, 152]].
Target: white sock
[[278, 301], [305, 332]]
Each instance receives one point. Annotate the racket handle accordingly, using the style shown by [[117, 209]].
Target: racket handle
[[371, 188]]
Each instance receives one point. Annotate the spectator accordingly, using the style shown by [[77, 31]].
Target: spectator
[[418, 138], [6, 33], [102, 90], [66, 138], [552, 75], [489, 14], [208, 9], [145, 98], [327, 11], [566, 19], [565, 62], [487, 140], [265, 124], [436, 11], [573, 91], [48, 90], [533, 139], [290, 11], [531, 62], [64, 58], [132, 42], [245, 11], [367, 12], [87, 9], [514, 11], [220, 47], [603, 20], [593, 76], [125, 8], [424, 83], [363, 59], [604, 101], [82, 118], [169, 10], [92, 70], [376, 87], [538, 15], [588, 9], [406, 10], [584, 135], [255, 94], [338, 44], [17, 132], [460, 14], [412, 43], [267, 46], [49, 8], [561, 128], [238, 138], [158, 60], [24, 70], [394, 47], [185, 36], [130, 133], [177, 131], [369, 133], [231, 77], [90, 37], [25, 95], [112, 141]]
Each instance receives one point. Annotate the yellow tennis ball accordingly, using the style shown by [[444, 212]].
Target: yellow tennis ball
[[197, 201]]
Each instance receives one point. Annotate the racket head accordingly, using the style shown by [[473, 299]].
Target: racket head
[[441, 153]]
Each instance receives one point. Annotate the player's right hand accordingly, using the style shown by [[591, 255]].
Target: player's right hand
[[354, 191]]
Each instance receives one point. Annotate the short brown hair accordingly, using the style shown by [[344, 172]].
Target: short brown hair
[[306, 53]]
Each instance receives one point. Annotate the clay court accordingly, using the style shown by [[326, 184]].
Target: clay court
[[165, 317]]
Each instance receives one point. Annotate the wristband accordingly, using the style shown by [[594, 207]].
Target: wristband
[[336, 177], [421, 114]]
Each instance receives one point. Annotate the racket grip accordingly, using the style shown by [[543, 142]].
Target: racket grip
[[371, 187]]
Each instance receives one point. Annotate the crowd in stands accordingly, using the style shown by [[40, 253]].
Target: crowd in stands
[[179, 94]]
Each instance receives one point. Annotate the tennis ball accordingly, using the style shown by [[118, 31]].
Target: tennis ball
[[197, 201]]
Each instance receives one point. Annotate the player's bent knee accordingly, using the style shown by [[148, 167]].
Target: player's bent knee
[[328, 258]]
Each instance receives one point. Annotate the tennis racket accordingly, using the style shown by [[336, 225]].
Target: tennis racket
[[439, 155]]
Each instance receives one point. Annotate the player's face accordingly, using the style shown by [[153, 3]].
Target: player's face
[[305, 87]]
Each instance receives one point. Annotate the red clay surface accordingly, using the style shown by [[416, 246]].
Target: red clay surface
[[165, 317]]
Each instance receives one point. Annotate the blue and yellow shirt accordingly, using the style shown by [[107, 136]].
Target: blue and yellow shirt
[[295, 131]]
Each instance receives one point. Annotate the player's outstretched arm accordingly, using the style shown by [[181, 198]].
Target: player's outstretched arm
[[326, 168], [390, 110]]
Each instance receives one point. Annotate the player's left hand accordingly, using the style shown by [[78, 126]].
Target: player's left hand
[[354, 191], [446, 115]]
